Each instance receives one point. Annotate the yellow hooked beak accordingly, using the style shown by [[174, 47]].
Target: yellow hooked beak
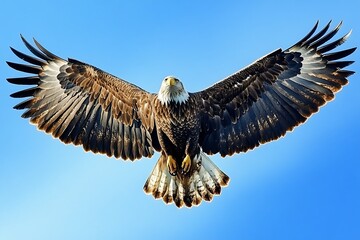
[[170, 81]]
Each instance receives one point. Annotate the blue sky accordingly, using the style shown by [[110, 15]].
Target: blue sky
[[303, 186]]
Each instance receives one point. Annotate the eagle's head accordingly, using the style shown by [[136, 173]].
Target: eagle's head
[[172, 90]]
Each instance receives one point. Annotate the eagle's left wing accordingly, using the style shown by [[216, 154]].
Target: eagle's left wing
[[83, 105], [273, 95]]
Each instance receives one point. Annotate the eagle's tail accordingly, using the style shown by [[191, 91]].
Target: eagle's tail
[[203, 181]]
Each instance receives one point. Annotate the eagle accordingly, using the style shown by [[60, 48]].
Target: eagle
[[83, 105]]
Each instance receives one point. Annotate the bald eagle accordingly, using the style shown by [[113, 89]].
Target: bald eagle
[[83, 105]]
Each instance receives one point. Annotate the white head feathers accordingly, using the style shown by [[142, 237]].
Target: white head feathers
[[172, 90]]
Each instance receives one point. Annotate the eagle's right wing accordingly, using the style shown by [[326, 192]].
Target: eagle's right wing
[[83, 105], [273, 95]]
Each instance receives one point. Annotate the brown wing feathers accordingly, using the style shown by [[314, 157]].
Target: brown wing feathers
[[81, 104], [273, 95]]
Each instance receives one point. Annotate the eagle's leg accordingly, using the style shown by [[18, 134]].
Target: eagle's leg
[[186, 164], [171, 163]]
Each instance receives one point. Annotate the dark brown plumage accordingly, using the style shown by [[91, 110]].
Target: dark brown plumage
[[83, 105]]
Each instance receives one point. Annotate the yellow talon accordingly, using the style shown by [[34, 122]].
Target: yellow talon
[[171, 163], [186, 164]]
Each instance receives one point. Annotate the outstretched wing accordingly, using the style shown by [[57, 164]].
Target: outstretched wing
[[83, 105], [273, 95]]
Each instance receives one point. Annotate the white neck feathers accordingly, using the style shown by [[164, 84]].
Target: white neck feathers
[[165, 96]]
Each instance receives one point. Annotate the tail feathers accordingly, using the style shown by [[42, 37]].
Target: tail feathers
[[203, 181]]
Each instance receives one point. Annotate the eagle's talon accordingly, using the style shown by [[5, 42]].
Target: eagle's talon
[[186, 164], [171, 163]]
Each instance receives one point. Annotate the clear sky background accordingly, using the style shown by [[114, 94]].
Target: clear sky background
[[303, 186]]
